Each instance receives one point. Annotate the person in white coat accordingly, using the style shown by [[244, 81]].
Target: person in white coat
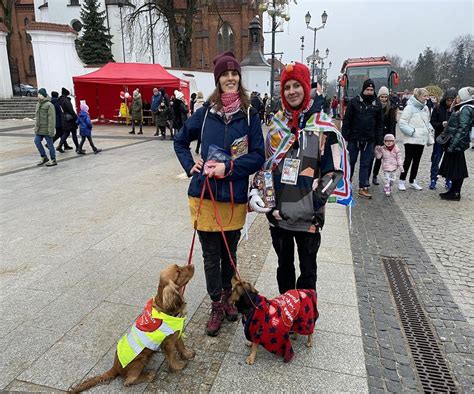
[[418, 132]]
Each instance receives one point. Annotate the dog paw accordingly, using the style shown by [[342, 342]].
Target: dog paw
[[249, 360], [177, 366], [248, 343], [188, 354], [309, 344], [149, 377]]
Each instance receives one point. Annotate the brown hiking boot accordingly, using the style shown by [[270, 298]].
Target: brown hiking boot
[[215, 320], [230, 310], [364, 193]]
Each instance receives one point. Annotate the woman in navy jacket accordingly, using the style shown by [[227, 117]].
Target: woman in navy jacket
[[228, 124]]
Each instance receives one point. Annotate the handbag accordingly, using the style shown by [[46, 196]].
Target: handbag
[[68, 117], [443, 138]]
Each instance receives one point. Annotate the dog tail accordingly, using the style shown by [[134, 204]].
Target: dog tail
[[106, 377]]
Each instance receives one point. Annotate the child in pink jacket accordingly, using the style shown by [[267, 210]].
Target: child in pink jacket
[[391, 160]]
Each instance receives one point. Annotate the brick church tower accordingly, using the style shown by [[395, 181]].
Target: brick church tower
[[218, 29]]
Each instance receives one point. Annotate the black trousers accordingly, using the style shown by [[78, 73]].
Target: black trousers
[[65, 135], [91, 143], [284, 244], [413, 155], [58, 134], [217, 266]]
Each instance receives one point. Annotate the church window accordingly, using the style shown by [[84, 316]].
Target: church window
[[74, 2], [225, 38], [31, 63]]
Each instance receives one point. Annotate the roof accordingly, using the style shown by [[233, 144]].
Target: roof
[[254, 55], [364, 61], [43, 26], [131, 73], [3, 28]]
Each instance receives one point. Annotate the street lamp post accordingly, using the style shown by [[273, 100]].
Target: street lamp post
[[307, 18], [275, 9], [302, 48]]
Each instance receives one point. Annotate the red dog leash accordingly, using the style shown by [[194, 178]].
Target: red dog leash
[[207, 186]]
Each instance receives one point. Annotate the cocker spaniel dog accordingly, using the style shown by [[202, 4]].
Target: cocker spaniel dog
[[161, 324], [270, 322]]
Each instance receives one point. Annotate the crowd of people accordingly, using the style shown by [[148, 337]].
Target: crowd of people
[[56, 120], [168, 113], [370, 118], [300, 167]]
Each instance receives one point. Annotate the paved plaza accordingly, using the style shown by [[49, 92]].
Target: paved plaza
[[82, 245]]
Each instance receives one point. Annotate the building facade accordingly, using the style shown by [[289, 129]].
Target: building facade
[[218, 26], [19, 48]]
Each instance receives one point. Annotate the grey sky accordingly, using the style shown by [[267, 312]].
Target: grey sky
[[359, 28]]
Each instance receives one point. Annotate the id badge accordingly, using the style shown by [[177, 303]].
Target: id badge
[[290, 171]]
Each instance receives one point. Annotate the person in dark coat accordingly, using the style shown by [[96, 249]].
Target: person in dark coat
[[389, 125], [180, 110], [192, 102], [161, 118], [460, 124], [362, 128], [59, 121], [69, 120], [439, 120]]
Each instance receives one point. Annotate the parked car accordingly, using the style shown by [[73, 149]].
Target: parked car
[[23, 89]]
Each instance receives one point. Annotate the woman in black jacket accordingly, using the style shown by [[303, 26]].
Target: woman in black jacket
[[180, 110], [439, 121], [69, 120], [460, 124], [389, 125]]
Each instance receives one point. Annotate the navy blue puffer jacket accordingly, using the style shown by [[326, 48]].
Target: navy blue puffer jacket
[[216, 131]]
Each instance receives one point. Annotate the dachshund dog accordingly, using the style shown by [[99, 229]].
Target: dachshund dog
[[162, 320], [270, 322]]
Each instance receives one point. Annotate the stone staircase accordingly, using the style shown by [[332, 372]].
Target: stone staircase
[[18, 108]]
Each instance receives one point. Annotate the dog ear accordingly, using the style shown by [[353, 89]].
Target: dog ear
[[234, 281], [172, 298]]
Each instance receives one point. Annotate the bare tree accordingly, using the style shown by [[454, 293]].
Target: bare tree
[[179, 21]]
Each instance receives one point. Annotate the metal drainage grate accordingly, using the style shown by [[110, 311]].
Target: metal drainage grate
[[430, 365]]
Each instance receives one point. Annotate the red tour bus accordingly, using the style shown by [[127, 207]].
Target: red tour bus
[[355, 71]]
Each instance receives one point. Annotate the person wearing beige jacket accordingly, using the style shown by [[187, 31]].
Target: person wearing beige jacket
[[418, 132]]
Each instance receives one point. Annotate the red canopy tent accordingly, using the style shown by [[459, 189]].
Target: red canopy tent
[[101, 89]]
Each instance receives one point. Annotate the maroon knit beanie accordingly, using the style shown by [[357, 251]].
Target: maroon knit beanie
[[224, 62], [300, 73]]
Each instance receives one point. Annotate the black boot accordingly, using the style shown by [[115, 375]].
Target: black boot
[[67, 147], [59, 149], [451, 196]]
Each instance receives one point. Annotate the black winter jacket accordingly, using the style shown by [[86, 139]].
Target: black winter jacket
[[363, 122], [180, 114], [69, 116], [439, 115], [59, 113], [390, 121]]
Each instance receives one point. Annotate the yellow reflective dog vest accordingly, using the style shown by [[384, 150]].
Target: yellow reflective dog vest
[[149, 331]]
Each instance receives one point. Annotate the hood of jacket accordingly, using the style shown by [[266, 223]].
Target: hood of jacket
[[44, 99], [458, 106], [415, 103]]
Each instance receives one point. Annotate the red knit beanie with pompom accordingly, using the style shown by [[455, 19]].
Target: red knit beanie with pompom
[[300, 73]]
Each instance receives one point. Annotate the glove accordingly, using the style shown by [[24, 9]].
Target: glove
[[256, 203], [401, 169]]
